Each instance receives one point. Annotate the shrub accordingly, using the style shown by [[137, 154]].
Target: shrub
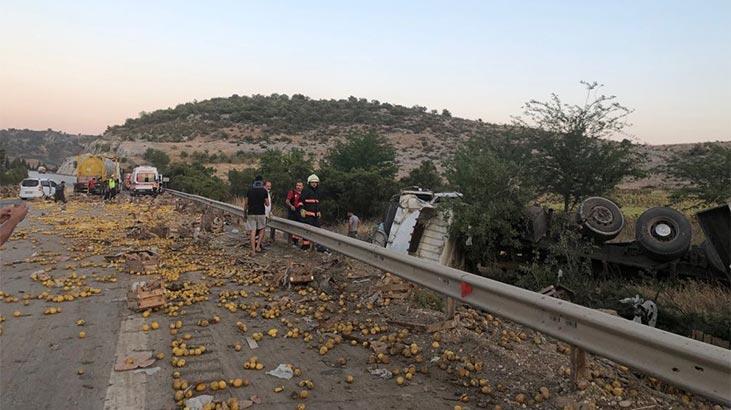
[[197, 179], [424, 176], [494, 180], [358, 174], [157, 158], [703, 173]]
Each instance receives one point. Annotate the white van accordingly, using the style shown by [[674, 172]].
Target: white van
[[145, 180], [31, 188]]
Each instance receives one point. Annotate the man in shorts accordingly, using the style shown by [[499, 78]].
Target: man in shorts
[[257, 199]]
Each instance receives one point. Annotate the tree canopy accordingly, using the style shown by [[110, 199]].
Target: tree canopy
[[358, 175], [572, 156], [424, 176], [703, 174], [157, 158], [496, 186]]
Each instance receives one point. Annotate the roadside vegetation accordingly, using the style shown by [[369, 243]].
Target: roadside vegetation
[[11, 172]]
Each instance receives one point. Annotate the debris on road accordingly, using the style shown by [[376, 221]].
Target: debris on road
[[148, 372], [134, 360], [381, 372], [143, 261], [146, 295], [198, 402], [283, 371]]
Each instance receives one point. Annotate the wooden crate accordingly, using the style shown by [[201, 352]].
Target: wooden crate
[[147, 296]]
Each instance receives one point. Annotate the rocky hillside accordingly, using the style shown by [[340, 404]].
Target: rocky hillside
[[230, 132], [48, 147]]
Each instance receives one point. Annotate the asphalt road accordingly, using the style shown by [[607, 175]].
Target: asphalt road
[[41, 355], [59, 250]]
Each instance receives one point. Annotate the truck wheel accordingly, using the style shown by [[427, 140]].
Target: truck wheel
[[664, 233], [601, 217]]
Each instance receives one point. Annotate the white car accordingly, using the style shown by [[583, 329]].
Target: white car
[[31, 188]]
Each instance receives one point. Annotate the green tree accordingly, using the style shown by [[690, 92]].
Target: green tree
[[424, 176], [240, 181], [495, 182], [358, 175], [703, 174], [572, 156], [12, 172], [197, 179], [365, 151], [157, 158], [283, 169]]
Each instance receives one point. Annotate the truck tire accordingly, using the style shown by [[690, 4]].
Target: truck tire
[[664, 233], [600, 218]]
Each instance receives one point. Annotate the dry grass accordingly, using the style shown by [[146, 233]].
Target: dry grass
[[365, 228], [692, 297], [238, 201]]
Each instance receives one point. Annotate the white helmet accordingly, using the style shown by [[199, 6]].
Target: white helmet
[[313, 178]]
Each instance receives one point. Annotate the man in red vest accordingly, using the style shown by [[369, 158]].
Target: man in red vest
[[294, 203]]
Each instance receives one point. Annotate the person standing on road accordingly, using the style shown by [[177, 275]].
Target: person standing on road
[[353, 222], [294, 203], [60, 193], [112, 187], [91, 186], [310, 211], [257, 199], [10, 217], [109, 188], [268, 208]]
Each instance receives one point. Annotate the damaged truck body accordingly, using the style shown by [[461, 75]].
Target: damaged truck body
[[415, 224]]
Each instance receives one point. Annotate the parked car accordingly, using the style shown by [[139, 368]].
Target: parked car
[[31, 188]]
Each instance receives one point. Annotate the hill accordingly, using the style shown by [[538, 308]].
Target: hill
[[234, 130], [230, 133], [45, 147]]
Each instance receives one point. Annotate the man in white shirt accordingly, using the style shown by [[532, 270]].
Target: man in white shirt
[[353, 222]]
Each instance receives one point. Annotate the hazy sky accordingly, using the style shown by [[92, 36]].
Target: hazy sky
[[80, 66]]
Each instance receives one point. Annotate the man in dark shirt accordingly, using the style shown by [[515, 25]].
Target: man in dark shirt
[[257, 199], [60, 194]]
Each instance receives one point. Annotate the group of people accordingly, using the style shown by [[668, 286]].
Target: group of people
[[303, 205], [110, 187]]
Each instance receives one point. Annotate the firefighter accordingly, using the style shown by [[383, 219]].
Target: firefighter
[[310, 211]]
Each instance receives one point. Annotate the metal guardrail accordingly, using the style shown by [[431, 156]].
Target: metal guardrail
[[696, 366]]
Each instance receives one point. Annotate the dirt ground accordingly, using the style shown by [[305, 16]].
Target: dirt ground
[[353, 337]]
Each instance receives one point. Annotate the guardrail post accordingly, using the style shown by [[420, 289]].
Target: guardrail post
[[579, 370], [450, 308]]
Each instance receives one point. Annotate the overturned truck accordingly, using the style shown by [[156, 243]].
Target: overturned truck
[[414, 224], [662, 241]]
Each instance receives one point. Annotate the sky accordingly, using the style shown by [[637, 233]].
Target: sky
[[80, 66]]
